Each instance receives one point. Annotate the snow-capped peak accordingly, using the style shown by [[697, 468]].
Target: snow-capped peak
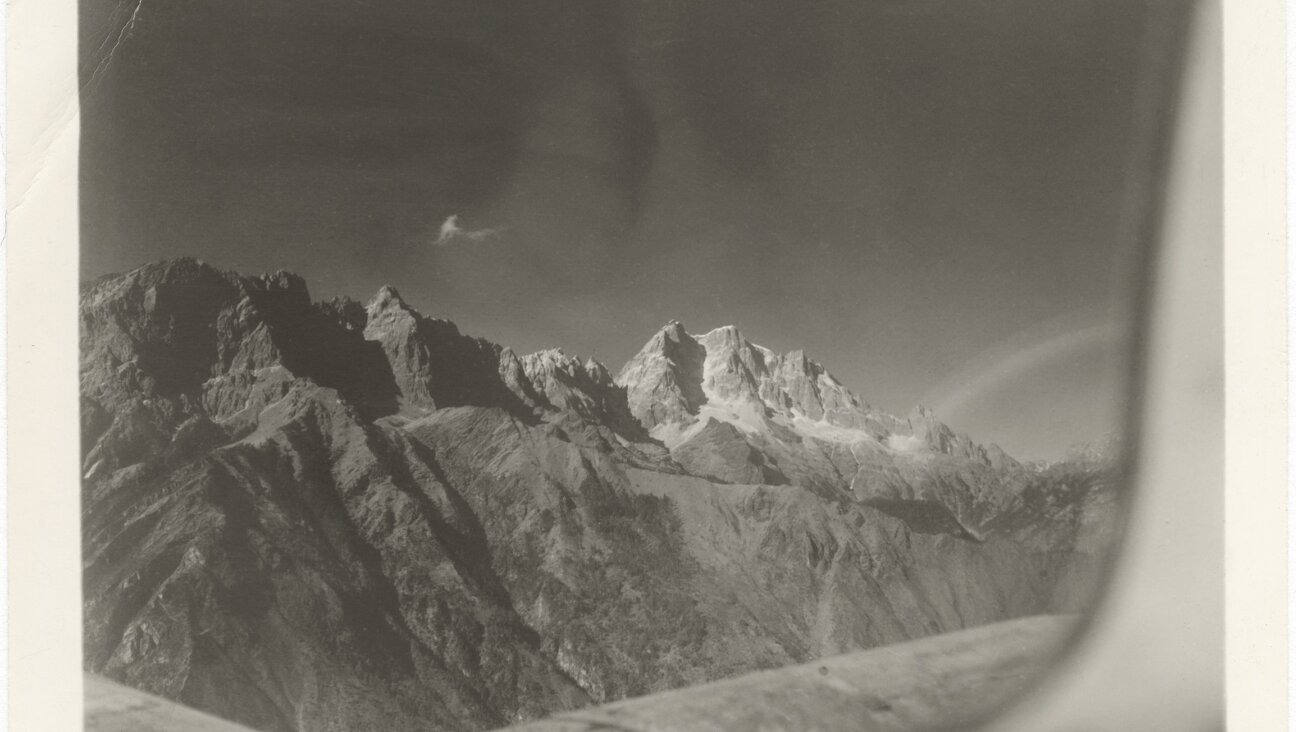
[[679, 381]]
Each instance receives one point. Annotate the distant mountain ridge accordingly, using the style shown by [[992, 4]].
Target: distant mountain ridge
[[735, 411], [343, 515]]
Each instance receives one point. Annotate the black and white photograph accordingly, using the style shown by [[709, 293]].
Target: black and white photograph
[[594, 365]]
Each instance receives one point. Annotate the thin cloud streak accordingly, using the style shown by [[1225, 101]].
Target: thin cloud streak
[[451, 232]]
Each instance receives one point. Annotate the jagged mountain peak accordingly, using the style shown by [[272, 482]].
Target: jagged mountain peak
[[595, 367], [672, 332], [388, 296], [174, 268], [663, 381], [351, 314], [679, 381], [210, 337], [465, 550], [722, 366], [550, 360], [553, 355], [187, 286], [728, 333], [552, 379], [282, 279], [184, 271], [387, 307]]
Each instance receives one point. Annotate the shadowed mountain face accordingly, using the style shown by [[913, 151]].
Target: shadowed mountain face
[[346, 516]]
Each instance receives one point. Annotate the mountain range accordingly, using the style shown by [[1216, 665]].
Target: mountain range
[[340, 515]]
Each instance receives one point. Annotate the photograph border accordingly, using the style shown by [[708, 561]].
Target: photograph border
[[43, 498]]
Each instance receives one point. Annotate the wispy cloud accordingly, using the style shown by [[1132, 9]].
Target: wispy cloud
[[451, 232]]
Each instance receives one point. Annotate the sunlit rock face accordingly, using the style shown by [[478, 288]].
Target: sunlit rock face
[[677, 375], [345, 516], [664, 381], [798, 424]]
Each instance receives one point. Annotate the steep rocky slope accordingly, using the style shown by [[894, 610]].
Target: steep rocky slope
[[735, 411], [345, 516]]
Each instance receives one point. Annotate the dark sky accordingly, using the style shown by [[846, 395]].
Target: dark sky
[[926, 196]]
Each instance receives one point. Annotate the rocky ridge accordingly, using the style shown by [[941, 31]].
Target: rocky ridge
[[735, 411], [339, 516]]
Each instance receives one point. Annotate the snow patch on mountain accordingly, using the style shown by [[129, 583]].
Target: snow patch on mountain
[[678, 381]]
